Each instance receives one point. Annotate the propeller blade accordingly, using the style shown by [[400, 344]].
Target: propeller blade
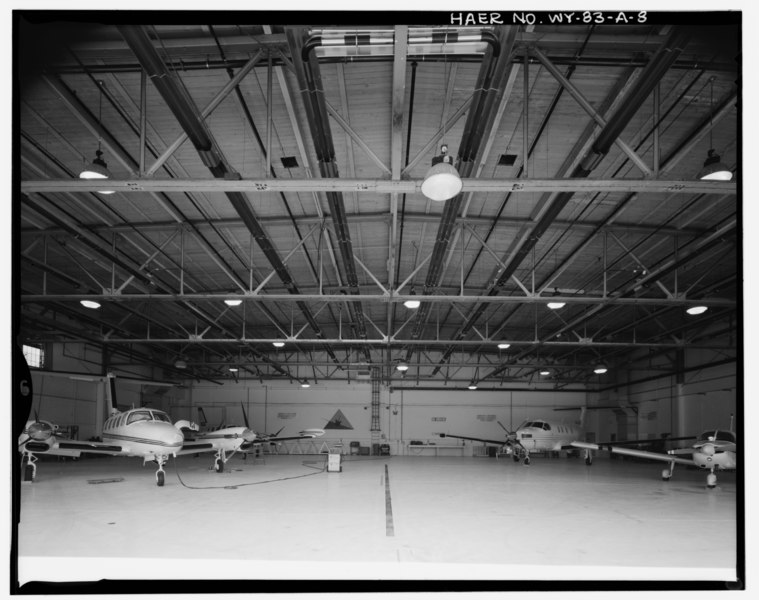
[[36, 415], [244, 416]]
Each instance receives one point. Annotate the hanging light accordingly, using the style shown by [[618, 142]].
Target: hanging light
[[714, 169], [233, 302], [503, 346], [305, 384], [402, 366], [442, 181], [472, 386], [278, 344], [555, 304], [180, 364], [412, 303], [97, 169], [89, 303], [697, 310], [544, 372], [233, 369], [600, 369]]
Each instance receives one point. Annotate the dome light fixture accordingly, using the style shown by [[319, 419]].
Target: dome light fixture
[[278, 344], [472, 386], [600, 369], [233, 302], [180, 364], [503, 346], [402, 367], [90, 304], [556, 305], [305, 384], [97, 169], [412, 303], [714, 169], [545, 372], [233, 369], [697, 310], [442, 181]]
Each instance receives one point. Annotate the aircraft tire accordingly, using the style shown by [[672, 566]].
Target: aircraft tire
[[219, 466], [159, 477], [588, 461], [28, 471], [711, 481], [526, 461]]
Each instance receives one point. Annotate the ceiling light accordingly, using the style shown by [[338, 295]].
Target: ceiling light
[[697, 310], [89, 303], [402, 366], [600, 369], [233, 302], [180, 364], [714, 169], [442, 181], [305, 384], [545, 372], [556, 305], [412, 303], [233, 369], [503, 346], [278, 344], [97, 169], [472, 386]]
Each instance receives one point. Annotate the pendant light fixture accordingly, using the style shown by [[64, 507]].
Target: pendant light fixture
[[442, 181], [98, 169], [412, 302], [714, 169]]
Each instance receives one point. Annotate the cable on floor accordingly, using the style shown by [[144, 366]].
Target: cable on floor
[[309, 464]]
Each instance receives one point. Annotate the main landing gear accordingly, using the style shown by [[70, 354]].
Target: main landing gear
[[588, 457], [220, 460], [28, 466]]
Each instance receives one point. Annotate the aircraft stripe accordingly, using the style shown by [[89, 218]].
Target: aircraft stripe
[[137, 440], [389, 528]]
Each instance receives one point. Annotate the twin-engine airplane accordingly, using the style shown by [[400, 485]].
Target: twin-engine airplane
[[713, 450], [142, 432], [537, 435]]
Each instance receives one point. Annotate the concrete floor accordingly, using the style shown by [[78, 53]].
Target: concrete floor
[[379, 518]]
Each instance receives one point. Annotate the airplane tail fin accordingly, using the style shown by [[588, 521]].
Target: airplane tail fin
[[110, 393], [202, 417]]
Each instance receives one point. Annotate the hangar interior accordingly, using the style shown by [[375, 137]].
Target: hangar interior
[[261, 245]]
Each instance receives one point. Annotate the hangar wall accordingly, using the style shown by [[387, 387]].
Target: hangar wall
[[345, 411]]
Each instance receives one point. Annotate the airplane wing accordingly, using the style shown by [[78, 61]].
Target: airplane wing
[[670, 458], [67, 447], [474, 439], [274, 440]]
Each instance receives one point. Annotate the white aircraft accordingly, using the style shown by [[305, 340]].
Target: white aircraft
[[537, 435], [713, 450], [142, 432]]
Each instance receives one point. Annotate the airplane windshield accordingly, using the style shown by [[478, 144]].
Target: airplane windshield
[[140, 415], [161, 416], [718, 435]]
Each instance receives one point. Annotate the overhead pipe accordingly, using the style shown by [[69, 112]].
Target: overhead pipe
[[197, 131]]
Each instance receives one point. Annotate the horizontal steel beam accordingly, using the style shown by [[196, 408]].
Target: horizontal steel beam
[[584, 300], [379, 186]]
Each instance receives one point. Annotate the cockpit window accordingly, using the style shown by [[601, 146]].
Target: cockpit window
[[718, 435], [161, 416], [140, 415]]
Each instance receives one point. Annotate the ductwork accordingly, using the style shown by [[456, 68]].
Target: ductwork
[[193, 124]]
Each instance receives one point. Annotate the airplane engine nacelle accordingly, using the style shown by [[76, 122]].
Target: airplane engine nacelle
[[707, 449], [39, 431]]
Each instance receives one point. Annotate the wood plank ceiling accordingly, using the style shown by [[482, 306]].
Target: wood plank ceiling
[[282, 166]]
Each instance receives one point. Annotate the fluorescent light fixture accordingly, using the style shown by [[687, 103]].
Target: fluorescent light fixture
[[305, 384], [503, 346], [180, 364], [556, 305], [233, 302], [278, 344], [89, 304], [697, 310], [442, 181]]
